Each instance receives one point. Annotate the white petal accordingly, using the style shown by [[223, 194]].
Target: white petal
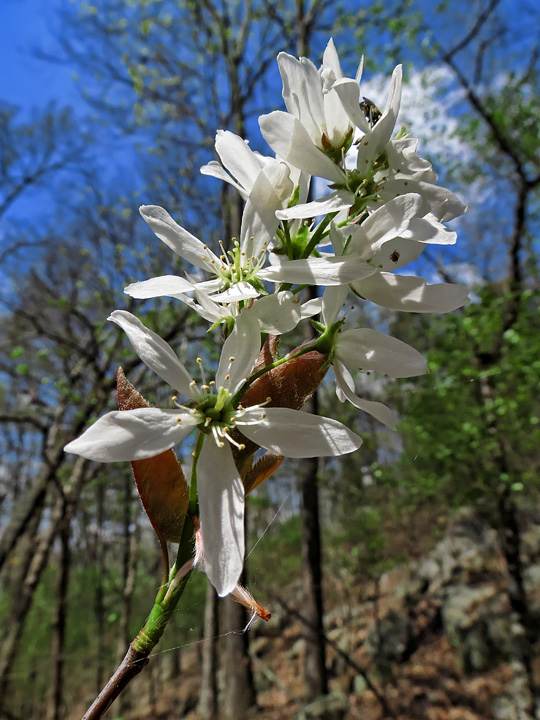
[[319, 271], [214, 169], [238, 158], [238, 291], [387, 222], [153, 351], [436, 199], [297, 434], [239, 352], [132, 434], [374, 141], [337, 238], [290, 140], [379, 411], [311, 308], [411, 294], [366, 349], [331, 58], [166, 285], [337, 200], [179, 240], [396, 253], [302, 92], [429, 230], [221, 505], [269, 193], [278, 313], [333, 300], [349, 93]]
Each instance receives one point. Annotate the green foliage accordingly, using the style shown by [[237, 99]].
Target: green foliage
[[471, 424]]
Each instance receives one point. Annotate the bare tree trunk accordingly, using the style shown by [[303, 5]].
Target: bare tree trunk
[[240, 694], [99, 608], [25, 594], [208, 705], [130, 538], [315, 676], [56, 704]]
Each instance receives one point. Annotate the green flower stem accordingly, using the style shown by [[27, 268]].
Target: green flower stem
[[136, 657], [165, 603], [318, 234], [193, 508]]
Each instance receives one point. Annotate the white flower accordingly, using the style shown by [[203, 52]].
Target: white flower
[[212, 408], [233, 274], [266, 184], [366, 349], [309, 96], [277, 313], [389, 239], [385, 167]]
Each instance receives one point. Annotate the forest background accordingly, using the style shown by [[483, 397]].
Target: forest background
[[105, 107]]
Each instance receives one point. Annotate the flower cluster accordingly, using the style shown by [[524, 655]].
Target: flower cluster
[[382, 209]]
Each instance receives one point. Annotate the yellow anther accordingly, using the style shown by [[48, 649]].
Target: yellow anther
[[231, 358], [174, 398], [227, 377], [178, 419], [199, 360]]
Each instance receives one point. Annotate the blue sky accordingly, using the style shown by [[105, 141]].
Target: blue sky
[[29, 82], [26, 80]]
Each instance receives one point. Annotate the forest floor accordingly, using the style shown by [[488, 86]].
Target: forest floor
[[435, 638]]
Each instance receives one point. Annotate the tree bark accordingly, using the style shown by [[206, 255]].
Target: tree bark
[[99, 608], [315, 675], [208, 705], [130, 538], [25, 594], [240, 694], [56, 703]]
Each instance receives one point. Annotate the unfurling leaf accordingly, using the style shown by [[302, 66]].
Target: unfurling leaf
[[288, 385], [160, 481], [261, 470]]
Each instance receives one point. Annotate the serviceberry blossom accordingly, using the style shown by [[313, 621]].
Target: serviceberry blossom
[[366, 350], [383, 210], [214, 410], [385, 166]]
